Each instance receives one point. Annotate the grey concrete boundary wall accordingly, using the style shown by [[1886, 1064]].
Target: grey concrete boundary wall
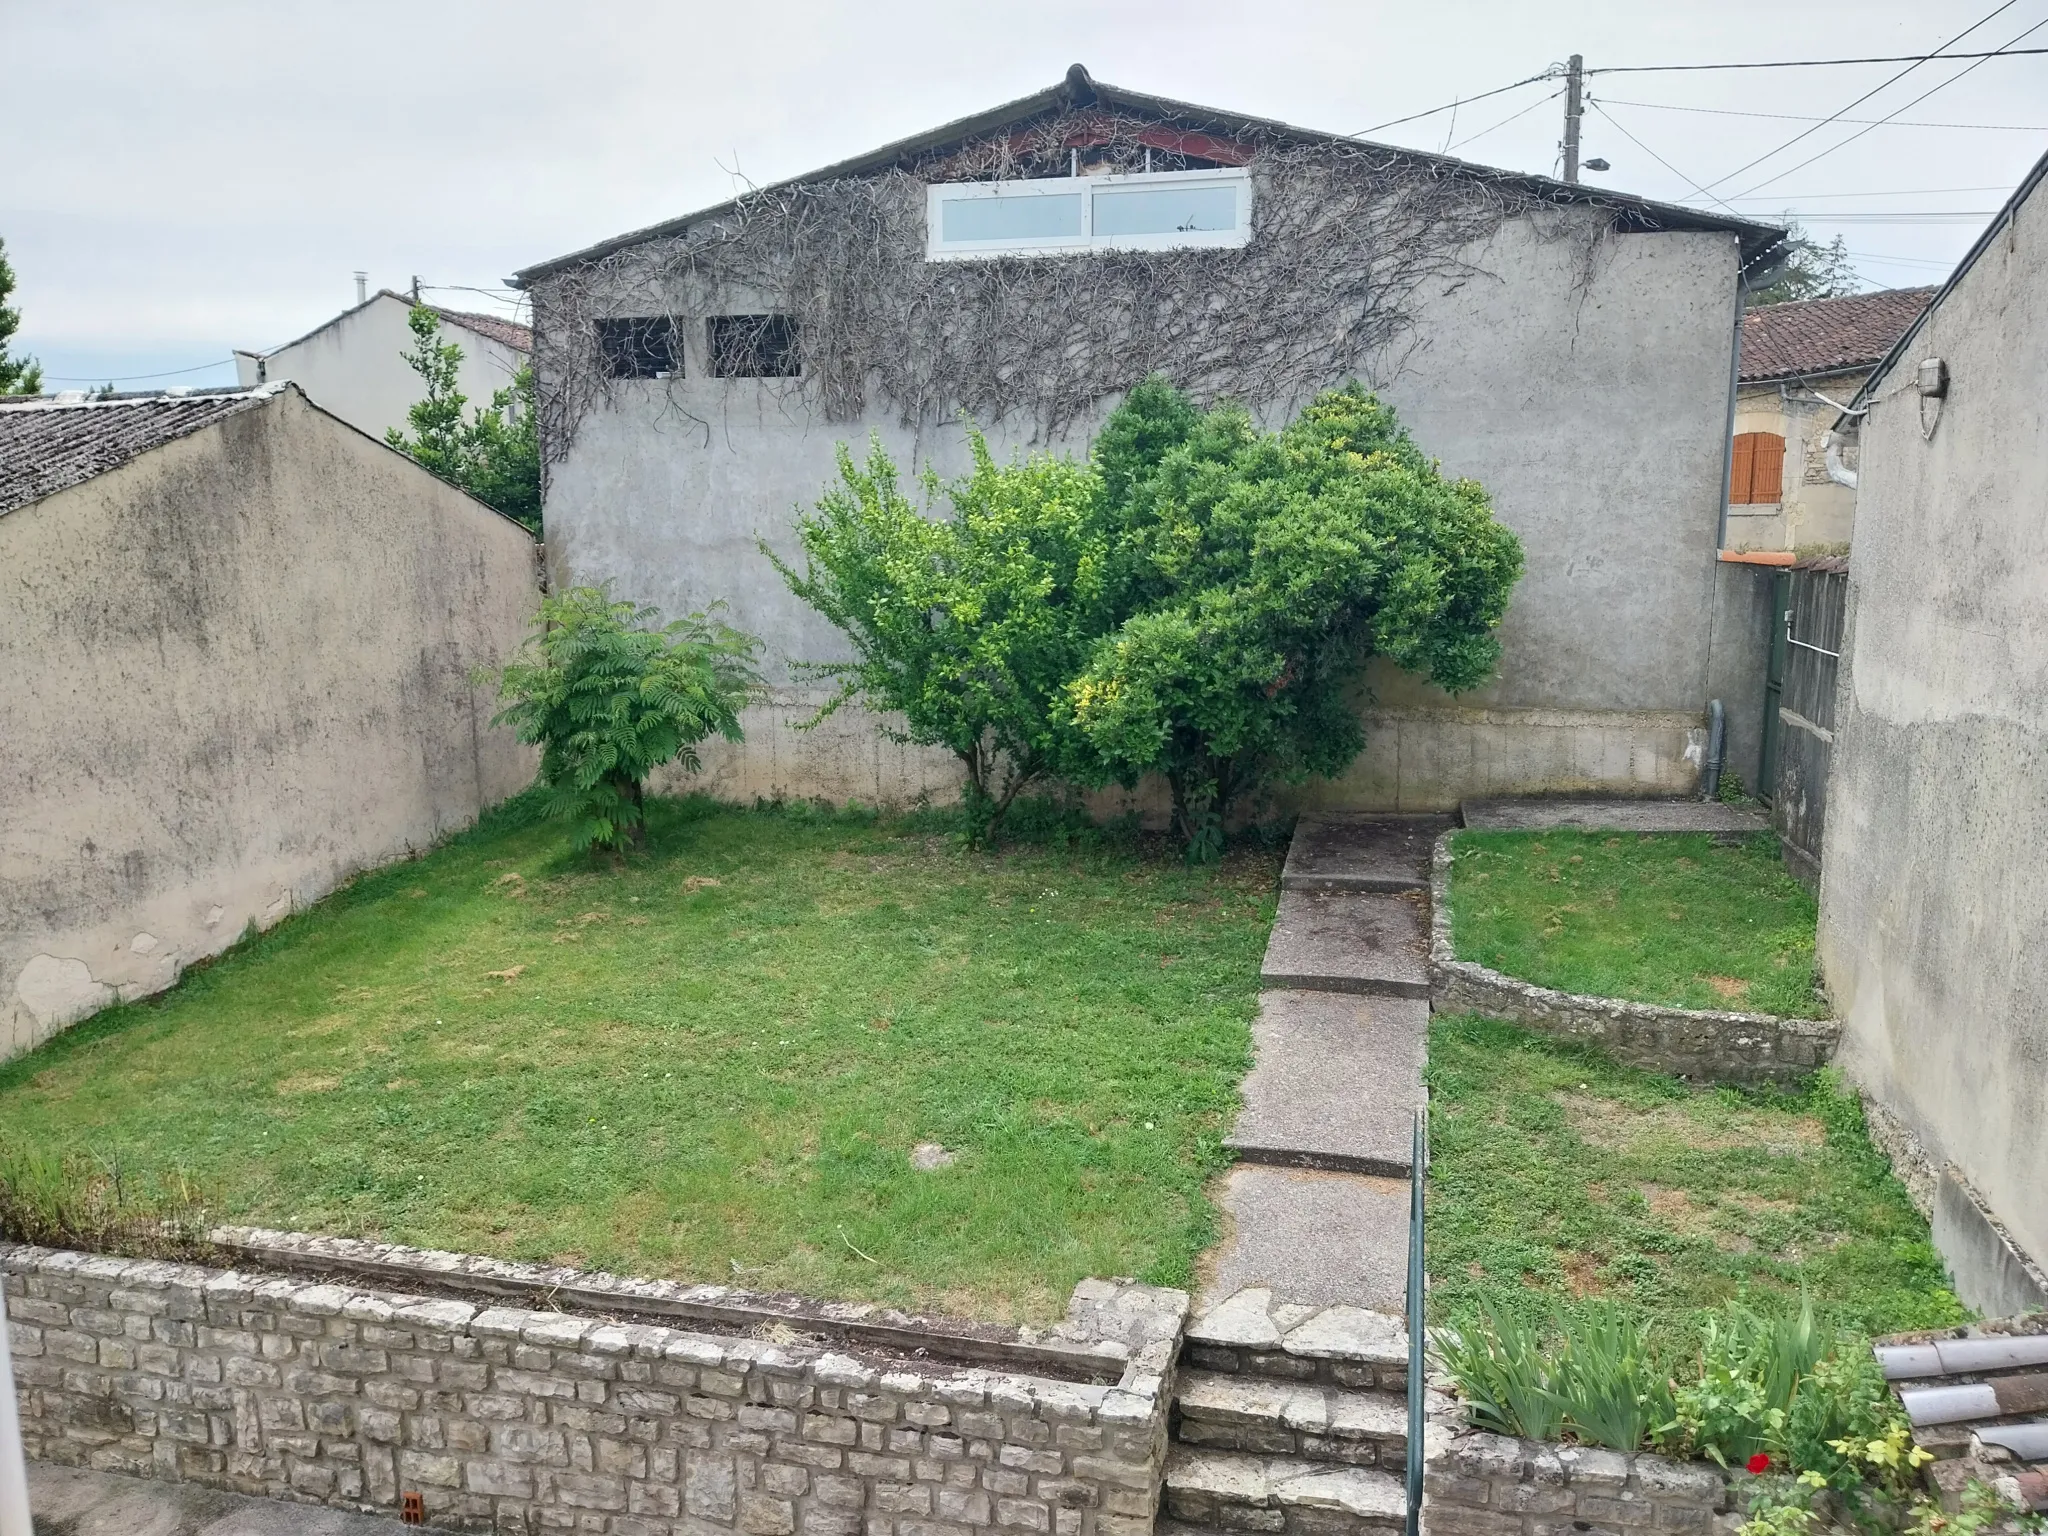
[[512, 1419], [235, 672], [1479, 1484], [1704, 1044]]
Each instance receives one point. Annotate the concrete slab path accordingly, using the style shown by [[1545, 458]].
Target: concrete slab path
[[1313, 1239], [1613, 816], [1361, 853], [70, 1501], [1370, 942], [1318, 1204], [1336, 1084]]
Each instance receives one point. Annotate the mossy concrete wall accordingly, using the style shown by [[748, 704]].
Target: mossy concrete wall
[[235, 671], [1934, 891]]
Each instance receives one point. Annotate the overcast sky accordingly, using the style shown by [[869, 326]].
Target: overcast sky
[[180, 179]]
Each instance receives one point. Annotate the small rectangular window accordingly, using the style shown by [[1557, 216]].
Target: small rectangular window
[[642, 348], [753, 347], [1141, 211]]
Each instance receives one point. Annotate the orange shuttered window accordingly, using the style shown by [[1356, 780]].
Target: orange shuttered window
[[1756, 472]]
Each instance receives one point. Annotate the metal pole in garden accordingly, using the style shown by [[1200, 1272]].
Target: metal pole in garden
[[1417, 1167]]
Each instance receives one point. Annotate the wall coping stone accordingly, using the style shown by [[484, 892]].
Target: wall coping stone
[[1109, 1323], [1710, 1044]]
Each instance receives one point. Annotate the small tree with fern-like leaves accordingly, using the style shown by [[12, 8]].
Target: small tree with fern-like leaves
[[609, 694]]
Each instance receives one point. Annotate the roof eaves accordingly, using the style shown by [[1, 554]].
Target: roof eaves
[[2004, 216], [1079, 88]]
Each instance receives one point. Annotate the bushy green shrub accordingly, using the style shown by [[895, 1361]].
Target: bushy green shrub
[[967, 627], [493, 453], [1200, 600], [1258, 574], [608, 697]]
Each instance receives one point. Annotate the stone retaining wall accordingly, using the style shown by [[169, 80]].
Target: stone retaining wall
[[1707, 1045], [503, 1418], [1490, 1485]]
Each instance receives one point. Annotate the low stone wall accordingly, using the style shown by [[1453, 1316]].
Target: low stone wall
[[1478, 1484], [505, 1418], [1708, 1045]]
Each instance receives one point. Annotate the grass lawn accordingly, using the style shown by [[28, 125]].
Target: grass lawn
[[1558, 1175], [713, 1063], [1672, 918]]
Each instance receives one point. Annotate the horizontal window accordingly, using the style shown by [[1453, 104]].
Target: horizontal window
[[1166, 210], [641, 348], [753, 347]]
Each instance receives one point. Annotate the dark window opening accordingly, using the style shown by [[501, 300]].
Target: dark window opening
[[754, 347], [641, 348]]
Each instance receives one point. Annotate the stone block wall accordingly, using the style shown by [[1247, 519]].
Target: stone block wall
[[1476, 1484], [509, 1419], [1706, 1045]]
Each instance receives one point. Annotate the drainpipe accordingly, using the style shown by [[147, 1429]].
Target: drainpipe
[[1832, 442], [1717, 750]]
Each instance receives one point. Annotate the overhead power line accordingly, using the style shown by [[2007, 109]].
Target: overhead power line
[[1452, 106], [1860, 122], [1894, 58], [1944, 85], [134, 378], [1807, 133]]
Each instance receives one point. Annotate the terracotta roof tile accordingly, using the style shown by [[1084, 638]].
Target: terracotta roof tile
[[1827, 335], [507, 333], [48, 446]]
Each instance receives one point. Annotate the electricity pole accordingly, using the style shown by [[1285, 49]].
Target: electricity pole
[[1574, 109]]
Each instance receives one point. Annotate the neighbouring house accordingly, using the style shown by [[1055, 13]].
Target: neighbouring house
[[355, 365], [1934, 887], [236, 639], [1570, 347], [1797, 358]]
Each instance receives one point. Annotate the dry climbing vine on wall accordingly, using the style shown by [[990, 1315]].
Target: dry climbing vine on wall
[[1345, 240]]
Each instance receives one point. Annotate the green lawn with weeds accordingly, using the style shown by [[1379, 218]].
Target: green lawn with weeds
[[1680, 919], [1557, 1175], [712, 1061]]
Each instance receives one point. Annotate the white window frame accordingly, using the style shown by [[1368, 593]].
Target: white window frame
[[940, 193]]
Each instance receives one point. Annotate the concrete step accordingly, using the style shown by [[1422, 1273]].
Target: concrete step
[[1290, 1418], [1612, 816], [1252, 1334], [1232, 1491], [1361, 853], [1350, 941], [1335, 1082]]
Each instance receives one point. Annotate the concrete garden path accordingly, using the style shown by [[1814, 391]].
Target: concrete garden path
[[1289, 1412], [1318, 1204], [70, 1501]]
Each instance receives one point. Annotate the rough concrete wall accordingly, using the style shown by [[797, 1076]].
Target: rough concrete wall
[[1589, 394], [356, 367], [1934, 896], [235, 672]]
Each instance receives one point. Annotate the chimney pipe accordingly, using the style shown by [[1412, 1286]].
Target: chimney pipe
[[362, 287]]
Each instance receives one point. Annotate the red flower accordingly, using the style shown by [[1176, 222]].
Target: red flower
[[1758, 1463]]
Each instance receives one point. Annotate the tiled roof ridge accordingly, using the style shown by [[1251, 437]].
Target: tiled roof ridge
[[1815, 336]]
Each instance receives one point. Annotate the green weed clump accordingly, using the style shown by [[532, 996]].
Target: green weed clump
[[100, 1205]]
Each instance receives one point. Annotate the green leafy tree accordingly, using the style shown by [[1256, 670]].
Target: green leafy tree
[[609, 697], [1259, 573], [493, 453], [969, 627], [18, 375], [1812, 271]]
